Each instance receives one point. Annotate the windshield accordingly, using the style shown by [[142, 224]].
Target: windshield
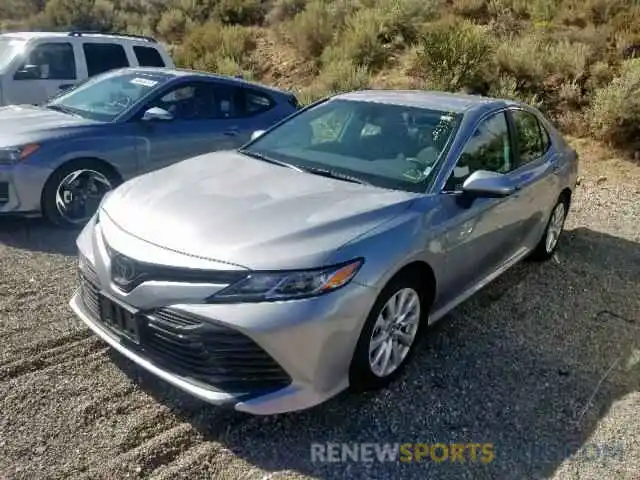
[[107, 96], [386, 145], [9, 48]]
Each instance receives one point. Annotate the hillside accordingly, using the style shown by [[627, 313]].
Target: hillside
[[572, 58]]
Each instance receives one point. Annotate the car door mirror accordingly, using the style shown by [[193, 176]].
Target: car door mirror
[[483, 183], [256, 134], [28, 72], [157, 114]]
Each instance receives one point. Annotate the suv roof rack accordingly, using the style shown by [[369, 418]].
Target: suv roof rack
[[79, 33]]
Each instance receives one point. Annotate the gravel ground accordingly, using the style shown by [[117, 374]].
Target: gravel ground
[[544, 364]]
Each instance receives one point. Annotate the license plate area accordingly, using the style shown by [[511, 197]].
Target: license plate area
[[119, 319]]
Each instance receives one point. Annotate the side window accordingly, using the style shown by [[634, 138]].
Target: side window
[[54, 61], [531, 143], [489, 149], [256, 102], [102, 57], [148, 56], [199, 101]]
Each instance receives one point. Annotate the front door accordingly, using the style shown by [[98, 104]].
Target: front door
[[46, 70], [480, 234], [203, 121]]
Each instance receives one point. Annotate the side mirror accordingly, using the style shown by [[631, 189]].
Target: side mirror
[[28, 72], [157, 114], [483, 183], [256, 134]]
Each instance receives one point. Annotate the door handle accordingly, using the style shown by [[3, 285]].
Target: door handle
[[65, 86], [231, 133]]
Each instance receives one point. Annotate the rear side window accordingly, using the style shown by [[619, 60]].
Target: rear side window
[[102, 57], [148, 56], [256, 102], [533, 139]]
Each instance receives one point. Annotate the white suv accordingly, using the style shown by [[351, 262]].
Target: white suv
[[35, 66]]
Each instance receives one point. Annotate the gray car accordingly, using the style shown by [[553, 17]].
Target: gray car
[[59, 159], [312, 259]]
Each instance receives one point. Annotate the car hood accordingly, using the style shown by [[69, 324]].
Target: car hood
[[20, 123], [227, 207]]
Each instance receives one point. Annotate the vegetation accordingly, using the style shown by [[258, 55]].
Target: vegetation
[[572, 58]]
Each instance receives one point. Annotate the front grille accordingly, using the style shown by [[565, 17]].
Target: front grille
[[196, 349], [211, 353], [4, 192]]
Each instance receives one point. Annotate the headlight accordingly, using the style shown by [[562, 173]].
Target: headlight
[[13, 155], [288, 285]]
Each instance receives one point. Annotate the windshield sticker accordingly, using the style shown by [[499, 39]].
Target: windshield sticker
[[144, 82]]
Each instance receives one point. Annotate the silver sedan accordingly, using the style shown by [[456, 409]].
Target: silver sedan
[[311, 260]]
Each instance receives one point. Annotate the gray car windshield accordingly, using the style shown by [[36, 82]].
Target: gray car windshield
[[9, 48], [386, 145], [105, 97]]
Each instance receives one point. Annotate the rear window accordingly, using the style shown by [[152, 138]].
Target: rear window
[[102, 57], [148, 57], [256, 102]]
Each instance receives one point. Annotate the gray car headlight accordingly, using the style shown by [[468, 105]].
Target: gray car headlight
[[13, 155], [288, 285]]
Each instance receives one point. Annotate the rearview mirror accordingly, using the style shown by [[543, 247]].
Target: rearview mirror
[[157, 114], [28, 72], [483, 183], [256, 134]]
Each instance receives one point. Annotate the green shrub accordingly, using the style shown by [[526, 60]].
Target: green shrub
[[311, 30], [284, 10], [206, 44], [172, 25], [614, 114], [239, 12], [454, 56], [363, 42], [344, 76]]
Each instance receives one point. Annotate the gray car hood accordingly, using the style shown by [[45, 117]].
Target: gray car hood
[[225, 206], [26, 123]]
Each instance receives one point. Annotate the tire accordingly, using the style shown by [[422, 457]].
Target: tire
[[362, 375], [54, 193], [549, 242]]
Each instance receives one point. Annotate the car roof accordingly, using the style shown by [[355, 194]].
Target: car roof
[[79, 34], [183, 72], [450, 102]]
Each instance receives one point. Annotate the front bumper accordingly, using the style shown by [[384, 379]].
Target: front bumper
[[297, 351], [21, 188]]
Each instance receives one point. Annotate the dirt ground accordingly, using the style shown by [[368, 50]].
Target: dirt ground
[[544, 364]]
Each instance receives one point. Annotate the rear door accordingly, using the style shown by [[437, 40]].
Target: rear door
[[535, 165], [47, 68]]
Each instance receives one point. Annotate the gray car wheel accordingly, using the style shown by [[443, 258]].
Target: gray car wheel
[[73, 192], [390, 334], [555, 226]]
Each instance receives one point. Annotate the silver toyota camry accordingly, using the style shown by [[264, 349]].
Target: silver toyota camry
[[311, 260]]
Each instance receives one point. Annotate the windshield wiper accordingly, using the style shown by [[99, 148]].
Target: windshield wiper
[[332, 174], [264, 158], [60, 108]]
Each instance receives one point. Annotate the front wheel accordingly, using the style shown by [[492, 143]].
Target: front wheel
[[389, 336], [73, 192]]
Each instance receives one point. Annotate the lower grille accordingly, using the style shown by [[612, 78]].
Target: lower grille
[[196, 349], [4, 192]]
